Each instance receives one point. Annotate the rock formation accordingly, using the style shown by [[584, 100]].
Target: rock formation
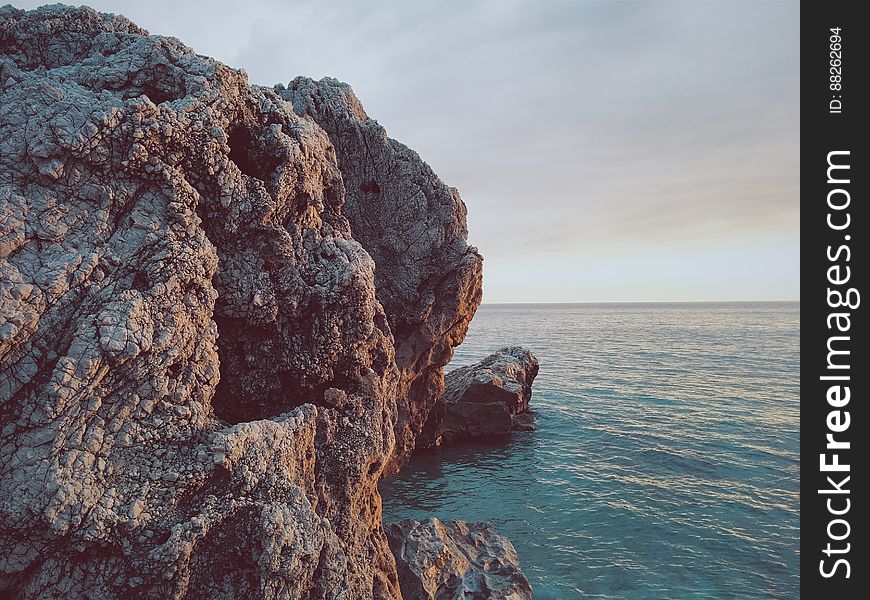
[[454, 560], [224, 314], [427, 278], [488, 398]]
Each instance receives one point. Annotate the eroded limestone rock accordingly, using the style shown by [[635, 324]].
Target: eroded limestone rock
[[488, 398], [199, 382], [454, 560]]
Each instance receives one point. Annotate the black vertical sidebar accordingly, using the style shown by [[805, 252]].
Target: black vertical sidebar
[[835, 302]]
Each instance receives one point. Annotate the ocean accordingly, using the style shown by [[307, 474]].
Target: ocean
[[665, 464]]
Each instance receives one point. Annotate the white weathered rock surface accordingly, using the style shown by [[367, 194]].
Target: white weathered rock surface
[[454, 560], [488, 398], [199, 382]]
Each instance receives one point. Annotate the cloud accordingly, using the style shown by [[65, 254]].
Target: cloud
[[571, 128]]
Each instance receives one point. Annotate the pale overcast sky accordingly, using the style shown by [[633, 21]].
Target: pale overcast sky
[[605, 150]]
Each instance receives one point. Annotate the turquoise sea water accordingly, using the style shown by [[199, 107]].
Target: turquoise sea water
[[665, 464]]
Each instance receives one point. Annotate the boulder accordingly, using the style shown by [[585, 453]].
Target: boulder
[[455, 560], [488, 398]]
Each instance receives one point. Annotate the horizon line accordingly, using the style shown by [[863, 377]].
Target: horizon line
[[793, 301]]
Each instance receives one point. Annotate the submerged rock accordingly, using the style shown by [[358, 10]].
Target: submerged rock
[[454, 560], [203, 374], [488, 398], [523, 422]]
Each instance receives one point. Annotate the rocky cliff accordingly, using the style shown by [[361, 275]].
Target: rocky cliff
[[413, 226], [224, 314]]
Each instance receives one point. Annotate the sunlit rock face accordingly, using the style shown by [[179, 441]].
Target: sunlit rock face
[[219, 324], [488, 398]]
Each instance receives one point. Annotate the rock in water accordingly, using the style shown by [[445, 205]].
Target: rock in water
[[454, 560], [488, 398], [523, 422], [202, 372]]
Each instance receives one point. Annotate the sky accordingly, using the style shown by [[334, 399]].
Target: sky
[[607, 151]]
